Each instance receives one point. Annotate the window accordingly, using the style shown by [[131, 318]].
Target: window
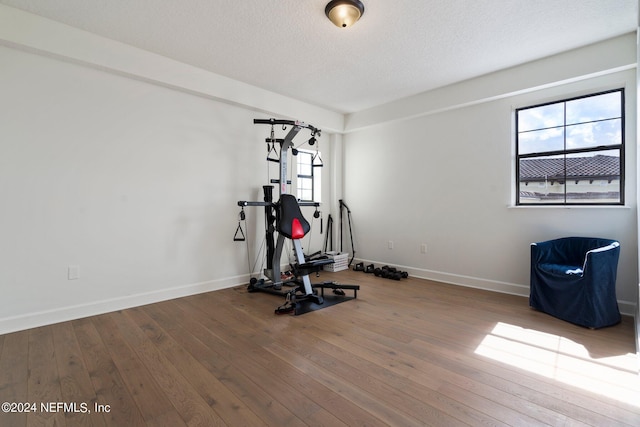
[[571, 152], [309, 164]]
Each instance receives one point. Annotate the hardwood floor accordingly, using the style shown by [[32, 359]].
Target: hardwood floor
[[408, 353]]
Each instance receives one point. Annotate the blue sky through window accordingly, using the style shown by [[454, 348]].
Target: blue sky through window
[[590, 122]]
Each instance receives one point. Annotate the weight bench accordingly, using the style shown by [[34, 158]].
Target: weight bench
[[291, 224]]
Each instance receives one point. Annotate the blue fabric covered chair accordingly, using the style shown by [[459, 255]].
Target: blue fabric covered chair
[[574, 279]]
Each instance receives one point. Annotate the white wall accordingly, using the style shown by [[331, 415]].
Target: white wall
[[129, 166], [446, 179], [133, 182], [50, 38]]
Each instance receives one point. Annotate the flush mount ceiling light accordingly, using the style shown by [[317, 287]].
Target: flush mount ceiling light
[[344, 13]]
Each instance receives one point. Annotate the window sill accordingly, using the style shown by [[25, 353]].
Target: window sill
[[568, 206]]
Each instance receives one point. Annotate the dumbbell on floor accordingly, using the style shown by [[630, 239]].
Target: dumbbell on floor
[[390, 273]]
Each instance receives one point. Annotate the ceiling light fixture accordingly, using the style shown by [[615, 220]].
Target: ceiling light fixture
[[344, 13]]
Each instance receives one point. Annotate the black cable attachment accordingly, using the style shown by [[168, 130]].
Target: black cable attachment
[[313, 161], [239, 234]]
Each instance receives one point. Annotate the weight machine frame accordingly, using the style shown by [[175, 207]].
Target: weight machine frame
[[274, 282]]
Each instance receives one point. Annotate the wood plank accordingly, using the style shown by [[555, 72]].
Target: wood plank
[[361, 390], [221, 400], [457, 361], [301, 392], [290, 391], [146, 392], [203, 345], [431, 376], [75, 383], [44, 382], [431, 407], [561, 399], [108, 384], [175, 388], [410, 352], [14, 375]]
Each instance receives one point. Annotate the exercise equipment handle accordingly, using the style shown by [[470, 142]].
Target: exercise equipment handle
[[244, 203], [287, 123], [239, 234], [273, 122]]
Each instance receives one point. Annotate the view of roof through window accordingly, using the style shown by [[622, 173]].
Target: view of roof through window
[[571, 152]]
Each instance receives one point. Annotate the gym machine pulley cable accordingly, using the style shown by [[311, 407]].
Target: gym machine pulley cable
[[283, 217]]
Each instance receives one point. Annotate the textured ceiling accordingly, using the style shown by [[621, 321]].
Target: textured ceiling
[[398, 48]]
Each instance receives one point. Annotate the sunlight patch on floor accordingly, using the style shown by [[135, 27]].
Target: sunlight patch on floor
[[564, 360]]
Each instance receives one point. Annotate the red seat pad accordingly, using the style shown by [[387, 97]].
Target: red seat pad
[[297, 232], [291, 224]]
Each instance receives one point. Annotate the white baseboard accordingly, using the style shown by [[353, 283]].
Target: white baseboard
[[627, 308], [63, 314]]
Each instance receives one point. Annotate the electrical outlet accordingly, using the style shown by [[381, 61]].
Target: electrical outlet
[[390, 244], [73, 272], [423, 248]]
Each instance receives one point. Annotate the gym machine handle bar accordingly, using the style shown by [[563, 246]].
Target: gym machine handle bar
[[245, 203], [285, 122]]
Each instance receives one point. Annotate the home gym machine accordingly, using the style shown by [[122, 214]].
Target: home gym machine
[[285, 218]]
